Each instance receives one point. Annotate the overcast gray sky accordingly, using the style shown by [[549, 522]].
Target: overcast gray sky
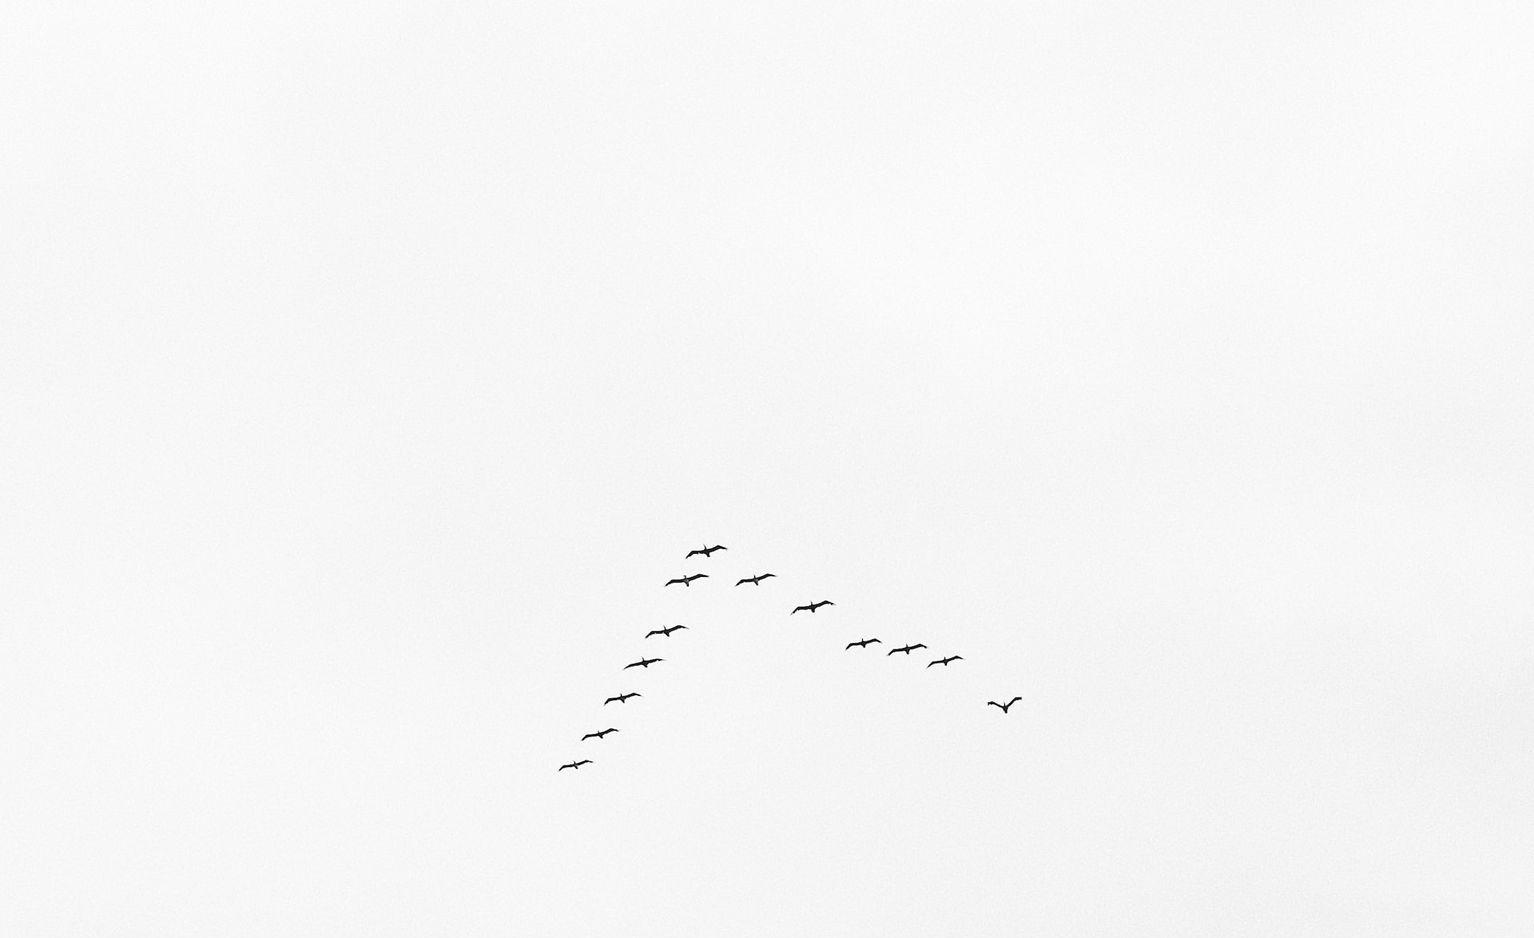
[[366, 368]]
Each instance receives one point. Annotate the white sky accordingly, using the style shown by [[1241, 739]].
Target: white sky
[[366, 368]]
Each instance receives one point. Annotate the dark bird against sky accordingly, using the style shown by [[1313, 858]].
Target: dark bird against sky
[[598, 734], [813, 606], [907, 649], [665, 632], [642, 663], [755, 580], [621, 698], [1005, 706], [687, 580], [864, 643], [574, 765], [944, 661], [707, 551]]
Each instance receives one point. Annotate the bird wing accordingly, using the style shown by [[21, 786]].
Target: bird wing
[[583, 762], [589, 735], [611, 699], [669, 582], [655, 632], [931, 663], [746, 580], [634, 665], [914, 647], [873, 640], [992, 703], [1013, 701], [563, 767], [850, 644]]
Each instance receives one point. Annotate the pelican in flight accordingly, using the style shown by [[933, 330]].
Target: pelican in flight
[[665, 632], [907, 649], [687, 580], [1005, 706], [755, 580], [599, 734], [622, 698], [642, 663], [574, 765], [813, 606], [864, 643], [706, 551], [944, 661]]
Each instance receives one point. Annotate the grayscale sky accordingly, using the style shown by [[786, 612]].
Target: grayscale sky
[[366, 368]]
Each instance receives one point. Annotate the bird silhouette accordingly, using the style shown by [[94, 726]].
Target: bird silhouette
[[642, 663], [687, 580], [574, 765], [755, 580], [1005, 706], [864, 643], [907, 649], [813, 606], [665, 632], [944, 661], [621, 698], [599, 734], [706, 551]]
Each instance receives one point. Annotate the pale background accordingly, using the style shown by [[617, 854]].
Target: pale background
[[366, 368]]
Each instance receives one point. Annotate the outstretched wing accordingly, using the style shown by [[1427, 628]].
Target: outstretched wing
[[746, 580], [873, 640], [992, 703], [799, 609], [914, 647], [589, 735], [1013, 701], [634, 665], [669, 582], [583, 762], [655, 632], [610, 700], [692, 553]]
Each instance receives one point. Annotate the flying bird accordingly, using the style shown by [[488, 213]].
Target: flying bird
[[706, 551], [574, 765], [621, 698], [864, 643], [687, 580], [944, 661], [599, 734], [992, 703], [642, 663], [812, 606], [665, 632], [755, 580], [907, 649]]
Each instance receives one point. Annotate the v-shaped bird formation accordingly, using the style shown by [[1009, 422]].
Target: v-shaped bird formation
[[707, 552]]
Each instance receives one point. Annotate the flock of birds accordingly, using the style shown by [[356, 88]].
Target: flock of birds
[[687, 581]]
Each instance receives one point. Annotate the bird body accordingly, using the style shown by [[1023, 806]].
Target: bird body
[[706, 551], [642, 663], [1003, 707], [574, 765], [813, 606], [944, 661], [755, 580], [599, 734], [665, 632], [864, 643], [621, 698], [907, 649], [687, 580]]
